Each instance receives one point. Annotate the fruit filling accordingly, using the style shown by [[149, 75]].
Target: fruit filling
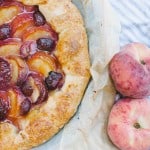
[[39, 18], [53, 80], [25, 106], [46, 44], [4, 105], [34, 88], [5, 74], [5, 31], [29, 69]]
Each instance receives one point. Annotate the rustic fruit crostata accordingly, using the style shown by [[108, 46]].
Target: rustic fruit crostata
[[44, 69]]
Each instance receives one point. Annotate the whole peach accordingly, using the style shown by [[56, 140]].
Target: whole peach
[[130, 70], [129, 124]]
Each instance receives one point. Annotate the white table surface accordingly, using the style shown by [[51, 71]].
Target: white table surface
[[134, 16]]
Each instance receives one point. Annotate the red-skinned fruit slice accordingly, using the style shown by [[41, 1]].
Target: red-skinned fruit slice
[[34, 87], [4, 105], [37, 32], [42, 63], [21, 23], [18, 103], [28, 8], [7, 3], [1, 2], [10, 47], [23, 8], [8, 10], [5, 74], [19, 69], [28, 48]]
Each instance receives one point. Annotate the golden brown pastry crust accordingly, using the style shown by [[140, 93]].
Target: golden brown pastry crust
[[46, 119]]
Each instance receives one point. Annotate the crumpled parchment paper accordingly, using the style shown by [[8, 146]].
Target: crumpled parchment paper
[[87, 129]]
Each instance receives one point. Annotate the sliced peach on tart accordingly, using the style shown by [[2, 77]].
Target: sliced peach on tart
[[42, 62], [19, 69], [20, 105], [14, 102], [30, 8], [8, 10], [37, 32], [13, 71], [29, 48], [21, 23], [35, 88], [10, 47]]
